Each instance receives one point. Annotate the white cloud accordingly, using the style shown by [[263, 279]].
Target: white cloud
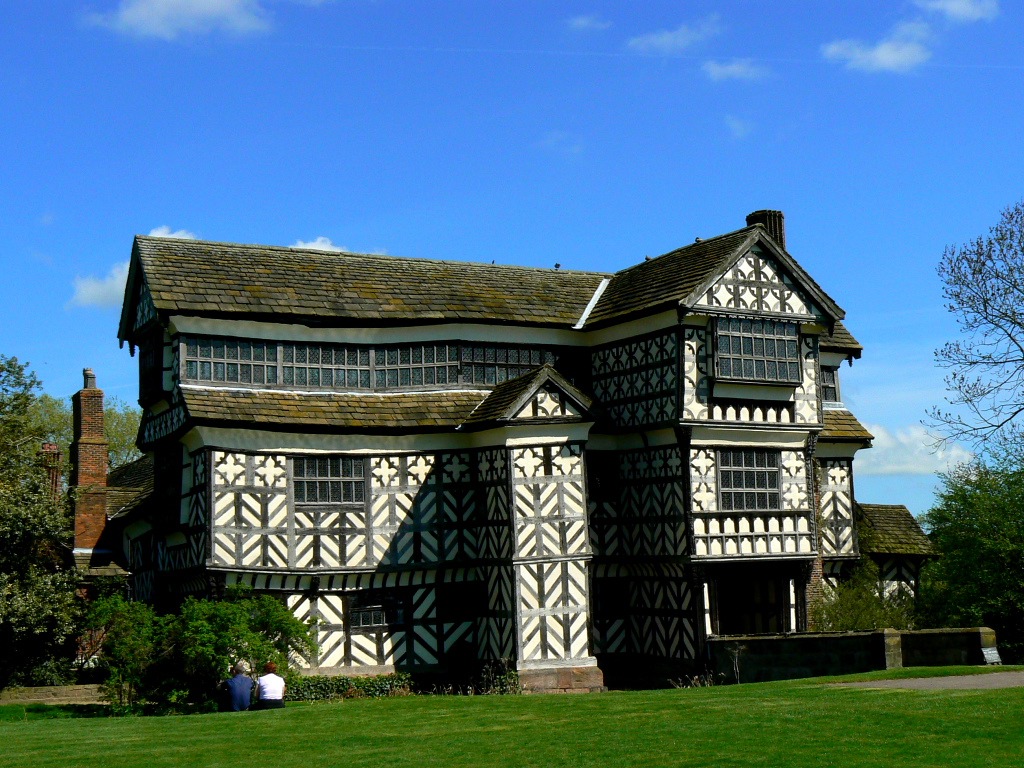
[[962, 10], [101, 292], [170, 19], [912, 450], [587, 23], [739, 129], [737, 69], [675, 41], [902, 50], [165, 231], [320, 244]]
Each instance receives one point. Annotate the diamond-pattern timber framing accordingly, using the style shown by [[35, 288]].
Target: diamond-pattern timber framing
[[756, 283], [787, 532], [637, 381], [838, 535]]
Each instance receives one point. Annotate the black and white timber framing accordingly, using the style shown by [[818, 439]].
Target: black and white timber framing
[[447, 464]]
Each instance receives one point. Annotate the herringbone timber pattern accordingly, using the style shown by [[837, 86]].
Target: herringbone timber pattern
[[837, 530]]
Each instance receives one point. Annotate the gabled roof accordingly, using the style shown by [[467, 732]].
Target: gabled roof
[[259, 282], [197, 277], [890, 529], [507, 399], [841, 426], [682, 275]]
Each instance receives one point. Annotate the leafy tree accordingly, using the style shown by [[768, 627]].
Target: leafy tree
[[977, 525], [39, 610], [180, 659], [859, 603], [51, 419], [984, 288], [127, 636]]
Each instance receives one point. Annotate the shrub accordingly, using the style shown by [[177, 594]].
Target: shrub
[[324, 688]]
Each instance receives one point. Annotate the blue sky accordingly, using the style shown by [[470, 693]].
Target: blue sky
[[585, 133]]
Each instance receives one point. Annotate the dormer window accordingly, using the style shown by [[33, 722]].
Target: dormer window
[[748, 350]]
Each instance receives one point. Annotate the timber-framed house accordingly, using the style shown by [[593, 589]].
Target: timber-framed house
[[448, 463]]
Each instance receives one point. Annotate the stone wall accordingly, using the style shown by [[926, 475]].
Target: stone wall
[[786, 657]]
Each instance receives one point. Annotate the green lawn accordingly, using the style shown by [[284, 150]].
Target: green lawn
[[769, 724]]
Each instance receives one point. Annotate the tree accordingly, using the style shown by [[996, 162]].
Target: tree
[[859, 603], [977, 527], [180, 659], [51, 419], [39, 609], [983, 286]]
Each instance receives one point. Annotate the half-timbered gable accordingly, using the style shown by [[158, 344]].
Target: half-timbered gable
[[448, 463]]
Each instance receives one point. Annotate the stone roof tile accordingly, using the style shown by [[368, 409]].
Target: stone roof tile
[[890, 529]]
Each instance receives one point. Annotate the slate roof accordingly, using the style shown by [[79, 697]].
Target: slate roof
[[840, 340], [129, 486], [506, 398], [842, 426], [890, 529], [668, 278], [260, 282], [331, 411], [196, 277]]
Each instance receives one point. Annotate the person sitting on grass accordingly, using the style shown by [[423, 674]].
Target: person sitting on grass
[[239, 688], [270, 688]]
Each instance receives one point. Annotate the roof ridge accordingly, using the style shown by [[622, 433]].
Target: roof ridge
[[329, 254]]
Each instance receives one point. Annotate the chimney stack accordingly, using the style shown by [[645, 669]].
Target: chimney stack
[[88, 468], [50, 458], [773, 221]]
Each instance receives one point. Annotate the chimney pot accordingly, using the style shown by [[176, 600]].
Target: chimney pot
[[90, 378], [774, 223]]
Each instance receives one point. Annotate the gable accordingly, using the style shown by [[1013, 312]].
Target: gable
[[756, 282], [547, 403]]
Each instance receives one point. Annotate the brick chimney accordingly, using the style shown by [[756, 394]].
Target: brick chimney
[[773, 221], [88, 468]]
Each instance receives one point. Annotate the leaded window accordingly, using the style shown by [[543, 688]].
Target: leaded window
[[372, 616], [231, 361], [332, 366], [492, 364], [416, 365], [748, 479], [829, 384], [318, 365], [758, 350], [328, 480]]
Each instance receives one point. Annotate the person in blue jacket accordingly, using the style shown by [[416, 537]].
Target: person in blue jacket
[[239, 689]]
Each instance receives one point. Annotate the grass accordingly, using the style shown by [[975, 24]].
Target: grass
[[802, 723]]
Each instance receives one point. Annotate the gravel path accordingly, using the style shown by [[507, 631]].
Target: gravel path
[[957, 682]]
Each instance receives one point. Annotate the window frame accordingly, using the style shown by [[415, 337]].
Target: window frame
[[834, 385], [729, 493], [357, 484], [742, 353]]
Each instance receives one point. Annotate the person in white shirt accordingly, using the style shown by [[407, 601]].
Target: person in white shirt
[[270, 688]]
